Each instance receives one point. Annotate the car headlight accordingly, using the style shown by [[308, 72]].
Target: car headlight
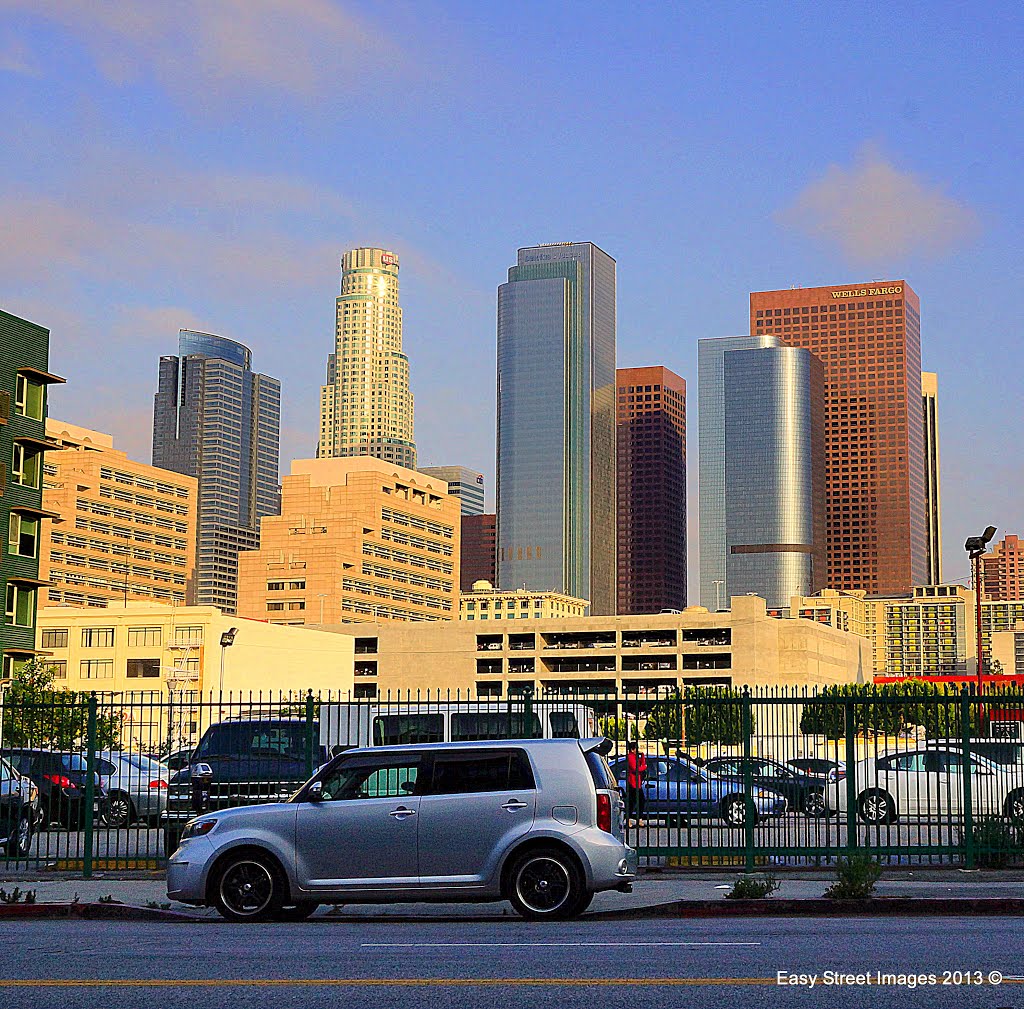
[[197, 828]]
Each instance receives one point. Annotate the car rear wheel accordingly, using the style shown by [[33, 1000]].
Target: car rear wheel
[[877, 807], [1013, 807], [248, 887], [118, 811], [546, 885], [734, 811], [814, 803], [21, 839]]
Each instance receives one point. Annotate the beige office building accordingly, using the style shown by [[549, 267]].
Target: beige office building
[[741, 647], [366, 407], [122, 529], [357, 539], [485, 602]]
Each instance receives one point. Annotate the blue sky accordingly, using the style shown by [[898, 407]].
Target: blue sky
[[203, 164]]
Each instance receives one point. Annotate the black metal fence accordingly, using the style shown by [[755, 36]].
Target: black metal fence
[[732, 777]]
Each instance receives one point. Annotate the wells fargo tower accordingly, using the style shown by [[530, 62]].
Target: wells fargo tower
[[366, 407], [868, 337]]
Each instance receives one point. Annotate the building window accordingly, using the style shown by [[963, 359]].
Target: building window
[[23, 538], [21, 605], [143, 667], [97, 637], [59, 669], [56, 637], [25, 468], [28, 398], [143, 637], [97, 669], [188, 635]]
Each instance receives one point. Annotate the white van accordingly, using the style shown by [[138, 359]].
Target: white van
[[348, 724]]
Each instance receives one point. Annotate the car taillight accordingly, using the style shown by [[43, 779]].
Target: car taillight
[[60, 780], [158, 783], [604, 812]]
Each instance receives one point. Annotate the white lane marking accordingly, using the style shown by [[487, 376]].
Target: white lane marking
[[417, 945]]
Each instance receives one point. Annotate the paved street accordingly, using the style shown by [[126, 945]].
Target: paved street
[[636, 964]]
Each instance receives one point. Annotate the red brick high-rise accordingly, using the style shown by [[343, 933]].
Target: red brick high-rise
[[651, 491], [868, 337], [478, 548], [1002, 571]]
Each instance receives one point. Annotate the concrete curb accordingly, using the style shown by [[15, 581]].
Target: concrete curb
[[83, 910], [821, 907]]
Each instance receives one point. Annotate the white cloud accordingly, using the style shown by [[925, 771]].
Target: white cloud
[[202, 48], [873, 211]]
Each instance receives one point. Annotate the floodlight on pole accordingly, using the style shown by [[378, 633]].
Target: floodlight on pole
[[227, 639], [976, 547]]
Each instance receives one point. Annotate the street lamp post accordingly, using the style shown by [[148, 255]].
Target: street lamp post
[[975, 547], [718, 593], [227, 639]]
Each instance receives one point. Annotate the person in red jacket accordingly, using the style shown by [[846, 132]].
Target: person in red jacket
[[636, 771]]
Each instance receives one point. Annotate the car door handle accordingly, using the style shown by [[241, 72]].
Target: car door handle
[[402, 812], [513, 804]]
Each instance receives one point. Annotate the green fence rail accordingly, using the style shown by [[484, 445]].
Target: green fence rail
[[911, 774]]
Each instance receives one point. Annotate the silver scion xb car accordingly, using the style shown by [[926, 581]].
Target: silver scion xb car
[[537, 822]]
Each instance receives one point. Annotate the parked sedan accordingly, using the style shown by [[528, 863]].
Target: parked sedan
[[679, 790], [136, 787], [805, 792], [929, 782], [61, 780], [19, 801], [819, 767]]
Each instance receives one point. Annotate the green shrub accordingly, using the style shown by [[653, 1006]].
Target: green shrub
[[856, 877], [997, 842], [753, 887]]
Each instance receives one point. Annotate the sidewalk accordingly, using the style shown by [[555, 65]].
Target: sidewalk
[[651, 893]]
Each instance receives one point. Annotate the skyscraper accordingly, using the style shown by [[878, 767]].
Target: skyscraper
[[714, 589], [651, 492], [465, 484], [932, 498], [556, 423], [1002, 571], [774, 473], [869, 339], [366, 407], [478, 548], [216, 420]]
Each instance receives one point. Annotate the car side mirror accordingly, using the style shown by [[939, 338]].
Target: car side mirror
[[315, 792]]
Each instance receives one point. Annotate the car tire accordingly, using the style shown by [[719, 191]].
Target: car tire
[[876, 807], [1013, 807], [248, 887], [118, 810], [814, 804], [297, 912], [734, 811], [545, 884], [20, 842]]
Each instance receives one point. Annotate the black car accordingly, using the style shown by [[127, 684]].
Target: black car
[[252, 760], [18, 797], [61, 780], [805, 792]]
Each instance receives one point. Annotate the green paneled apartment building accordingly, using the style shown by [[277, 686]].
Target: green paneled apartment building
[[24, 376]]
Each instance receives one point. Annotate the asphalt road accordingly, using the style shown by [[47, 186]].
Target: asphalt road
[[478, 964]]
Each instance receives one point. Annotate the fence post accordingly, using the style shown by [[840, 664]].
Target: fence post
[[310, 742], [851, 774], [90, 785], [968, 796], [748, 785]]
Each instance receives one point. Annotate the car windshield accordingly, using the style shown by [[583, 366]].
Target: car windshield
[[249, 740]]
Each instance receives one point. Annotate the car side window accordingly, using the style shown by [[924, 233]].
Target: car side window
[[502, 771], [105, 767], [727, 767], [376, 780], [6, 771], [680, 772], [904, 762]]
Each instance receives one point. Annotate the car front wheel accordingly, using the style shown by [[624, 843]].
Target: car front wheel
[[877, 807], [814, 804], [546, 885], [21, 840], [734, 811], [249, 887], [118, 810], [1013, 808]]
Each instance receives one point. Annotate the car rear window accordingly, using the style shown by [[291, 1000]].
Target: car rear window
[[487, 771], [274, 740], [399, 730], [564, 725], [1001, 753], [600, 771]]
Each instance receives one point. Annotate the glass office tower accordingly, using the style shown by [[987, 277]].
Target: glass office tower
[[774, 402], [714, 587], [216, 420], [556, 424]]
